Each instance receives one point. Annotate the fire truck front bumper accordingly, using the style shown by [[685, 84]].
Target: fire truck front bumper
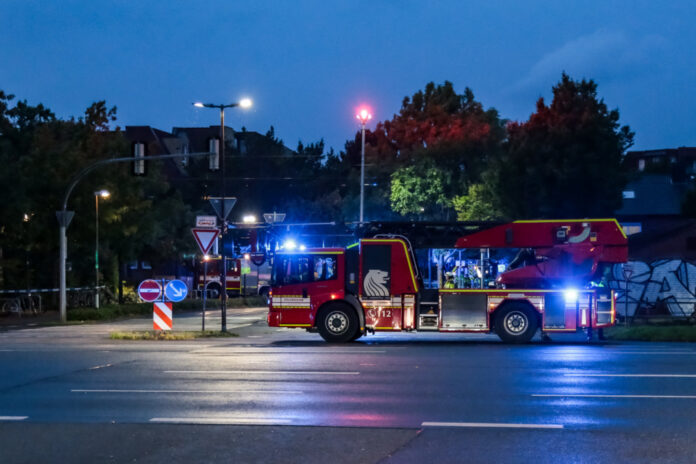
[[273, 318]]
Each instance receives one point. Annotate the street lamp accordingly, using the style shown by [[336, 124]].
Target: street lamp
[[104, 194], [243, 103], [363, 116], [249, 219]]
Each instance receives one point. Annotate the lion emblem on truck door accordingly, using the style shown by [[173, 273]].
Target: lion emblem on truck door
[[375, 281]]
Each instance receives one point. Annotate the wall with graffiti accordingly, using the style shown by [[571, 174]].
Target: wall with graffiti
[[662, 287]]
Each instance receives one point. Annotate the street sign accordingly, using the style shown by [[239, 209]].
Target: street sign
[[175, 290], [149, 290], [209, 222], [258, 258], [205, 238], [273, 218], [162, 316], [222, 206]]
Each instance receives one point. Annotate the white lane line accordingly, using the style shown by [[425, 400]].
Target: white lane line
[[101, 366], [668, 397], [670, 376], [224, 352], [230, 372], [292, 392], [218, 421], [492, 425], [13, 418], [653, 352]]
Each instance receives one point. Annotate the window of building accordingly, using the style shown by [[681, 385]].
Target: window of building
[[629, 194], [641, 164]]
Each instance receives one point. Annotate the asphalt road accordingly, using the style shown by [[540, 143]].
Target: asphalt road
[[282, 395]]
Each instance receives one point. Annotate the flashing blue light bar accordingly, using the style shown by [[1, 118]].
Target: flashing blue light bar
[[571, 295]]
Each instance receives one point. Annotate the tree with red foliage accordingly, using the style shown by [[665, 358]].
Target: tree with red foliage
[[565, 161], [441, 129]]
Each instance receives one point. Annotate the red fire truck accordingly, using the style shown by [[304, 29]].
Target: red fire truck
[[554, 284], [244, 276]]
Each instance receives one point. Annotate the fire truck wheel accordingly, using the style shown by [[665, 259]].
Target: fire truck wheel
[[516, 323], [337, 323], [213, 291]]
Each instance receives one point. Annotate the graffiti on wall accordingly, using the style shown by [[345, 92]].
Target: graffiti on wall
[[661, 287]]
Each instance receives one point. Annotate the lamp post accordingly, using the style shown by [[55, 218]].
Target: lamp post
[[364, 116], [244, 103], [104, 194]]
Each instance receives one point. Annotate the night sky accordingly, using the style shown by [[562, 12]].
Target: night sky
[[309, 64]]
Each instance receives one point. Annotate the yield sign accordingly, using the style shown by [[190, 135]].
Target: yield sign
[[222, 206], [205, 238]]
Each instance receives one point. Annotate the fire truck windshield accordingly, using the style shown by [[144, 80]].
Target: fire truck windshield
[[298, 269]]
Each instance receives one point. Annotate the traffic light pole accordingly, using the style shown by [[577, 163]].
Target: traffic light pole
[[223, 223], [64, 216]]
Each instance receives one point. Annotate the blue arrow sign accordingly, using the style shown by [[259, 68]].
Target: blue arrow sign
[[175, 290]]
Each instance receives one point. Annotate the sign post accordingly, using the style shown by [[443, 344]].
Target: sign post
[[627, 272], [205, 237]]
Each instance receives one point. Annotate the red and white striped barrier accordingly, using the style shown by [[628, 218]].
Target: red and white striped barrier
[[162, 316]]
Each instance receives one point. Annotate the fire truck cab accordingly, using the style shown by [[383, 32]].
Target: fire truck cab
[[375, 285]]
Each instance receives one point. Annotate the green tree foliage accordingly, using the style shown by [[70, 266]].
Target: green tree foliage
[[565, 161], [417, 187], [476, 205], [143, 218]]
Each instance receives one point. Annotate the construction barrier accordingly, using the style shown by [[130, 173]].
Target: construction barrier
[[162, 316]]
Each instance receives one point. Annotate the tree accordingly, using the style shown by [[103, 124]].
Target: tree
[[448, 131], [476, 205], [144, 218], [565, 161], [417, 187]]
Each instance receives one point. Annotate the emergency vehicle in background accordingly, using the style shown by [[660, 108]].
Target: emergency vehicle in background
[[554, 284], [244, 276]]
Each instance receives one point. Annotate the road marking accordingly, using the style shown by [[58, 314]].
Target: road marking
[[219, 421], [292, 392], [267, 372], [289, 351], [675, 376], [677, 397], [653, 352], [13, 418], [492, 425], [100, 366]]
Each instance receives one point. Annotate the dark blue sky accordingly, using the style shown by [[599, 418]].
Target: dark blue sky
[[308, 64]]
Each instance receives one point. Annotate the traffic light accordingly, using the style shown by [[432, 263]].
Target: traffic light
[[139, 159], [214, 158]]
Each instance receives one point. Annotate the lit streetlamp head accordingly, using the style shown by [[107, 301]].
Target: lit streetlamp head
[[199, 105], [363, 115], [249, 219], [103, 193], [245, 103]]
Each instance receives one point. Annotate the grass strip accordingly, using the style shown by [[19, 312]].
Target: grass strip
[[167, 336], [652, 333], [111, 312]]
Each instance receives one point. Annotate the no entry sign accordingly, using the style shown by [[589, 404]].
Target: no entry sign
[[149, 290]]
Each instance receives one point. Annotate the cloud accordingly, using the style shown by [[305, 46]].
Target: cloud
[[602, 55]]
